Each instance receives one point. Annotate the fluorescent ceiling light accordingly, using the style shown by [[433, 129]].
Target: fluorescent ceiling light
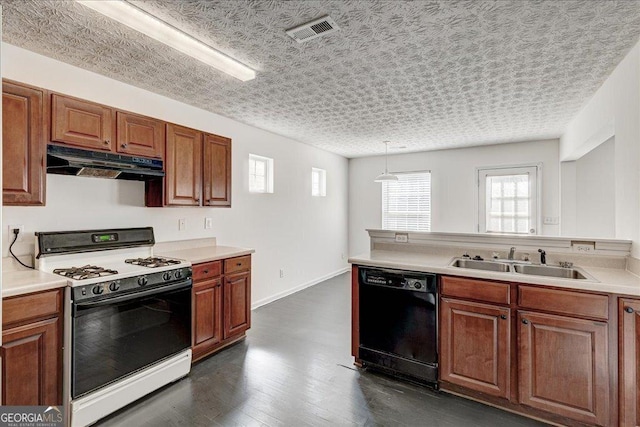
[[149, 25]]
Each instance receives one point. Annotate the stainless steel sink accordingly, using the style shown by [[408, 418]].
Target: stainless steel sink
[[481, 265], [550, 271]]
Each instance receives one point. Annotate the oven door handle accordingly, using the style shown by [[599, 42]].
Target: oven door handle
[[176, 286]]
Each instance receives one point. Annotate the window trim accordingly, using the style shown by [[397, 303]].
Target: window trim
[[509, 170], [268, 173], [322, 181], [382, 225]]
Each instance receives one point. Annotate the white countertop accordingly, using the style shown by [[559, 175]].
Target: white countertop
[[609, 280], [199, 255], [25, 281]]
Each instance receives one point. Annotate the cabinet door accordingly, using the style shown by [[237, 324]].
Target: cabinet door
[[139, 135], [207, 317], [237, 304], [475, 350], [81, 123], [629, 312], [31, 364], [217, 171], [23, 145], [564, 366], [183, 166]]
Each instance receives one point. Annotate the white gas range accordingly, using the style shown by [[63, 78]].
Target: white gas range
[[128, 322]]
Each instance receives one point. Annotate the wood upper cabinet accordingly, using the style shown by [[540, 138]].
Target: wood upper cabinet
[[24, 145], [32, 349], [217, 171], [183, 166], [139, 135], [629, 324], [237, 304], [564, 366], [475, 346], [81, 123]]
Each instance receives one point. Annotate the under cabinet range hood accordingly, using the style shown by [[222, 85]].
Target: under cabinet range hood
[[75, 161]]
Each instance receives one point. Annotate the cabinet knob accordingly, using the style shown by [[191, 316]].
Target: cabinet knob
[[239, 264], [124, 145], [198, 200], [503, 316], [525, 321], [206, 272], [628, 309], [107, 142]]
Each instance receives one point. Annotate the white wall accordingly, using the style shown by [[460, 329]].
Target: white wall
[[587, 194], [290, 229], [614, 110], [453, 184]]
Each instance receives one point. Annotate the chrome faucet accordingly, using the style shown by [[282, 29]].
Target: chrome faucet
[[543, 257], [512, 251]]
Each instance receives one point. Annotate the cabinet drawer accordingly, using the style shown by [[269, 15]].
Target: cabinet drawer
[[32, 306], [564, 302], [481, 290], [207, 270], [241, 263]]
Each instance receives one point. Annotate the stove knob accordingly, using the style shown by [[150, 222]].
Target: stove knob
[[167, 275], [418, 285], [97, 290], [178, 274], [143, 280], [114, 286]]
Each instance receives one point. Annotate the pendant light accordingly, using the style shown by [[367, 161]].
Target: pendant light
[[386, 176]]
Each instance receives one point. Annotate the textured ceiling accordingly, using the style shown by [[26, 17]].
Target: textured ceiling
[[423, 74]]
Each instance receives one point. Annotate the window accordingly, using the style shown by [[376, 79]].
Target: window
[[508, 200], [406, 203], [260, 174], [318, 182]]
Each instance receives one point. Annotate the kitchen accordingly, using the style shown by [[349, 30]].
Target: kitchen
[[301, 240]]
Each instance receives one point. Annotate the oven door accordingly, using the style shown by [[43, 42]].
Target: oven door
[[115, 337]]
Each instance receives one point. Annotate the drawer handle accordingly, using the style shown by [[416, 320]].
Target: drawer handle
[[206, 272], [239, 264], [503, 316], [628, 310], [525, 321]]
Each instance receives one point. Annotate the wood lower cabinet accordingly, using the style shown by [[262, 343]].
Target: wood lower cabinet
[[564, 366], [23, 145], [475, 346], [81, 123], [32, 349], [221, 304], [629, 361]]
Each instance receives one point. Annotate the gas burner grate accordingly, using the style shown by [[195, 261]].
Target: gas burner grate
[[152, 262], [85, 272]]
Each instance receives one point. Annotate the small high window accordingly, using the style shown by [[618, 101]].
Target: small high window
[[260, 174], [318, 182]]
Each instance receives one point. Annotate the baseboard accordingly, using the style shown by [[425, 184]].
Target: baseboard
[[298, 288]]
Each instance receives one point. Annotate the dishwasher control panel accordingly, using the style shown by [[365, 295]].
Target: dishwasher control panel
[[411, 281]]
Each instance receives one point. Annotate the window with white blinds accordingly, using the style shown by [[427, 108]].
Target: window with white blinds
[[406, 203]]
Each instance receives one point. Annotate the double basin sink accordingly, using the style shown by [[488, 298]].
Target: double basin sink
[[517, 267]]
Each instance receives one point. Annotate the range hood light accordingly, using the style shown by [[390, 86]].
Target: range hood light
[[149, 25]]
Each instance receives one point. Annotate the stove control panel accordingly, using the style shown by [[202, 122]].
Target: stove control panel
[[126, 285]]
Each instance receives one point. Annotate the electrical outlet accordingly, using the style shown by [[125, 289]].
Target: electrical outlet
[[402, 237], [181, 224], [20, 235], [551, 220], [281, 273], [583, 247], [208, 223]]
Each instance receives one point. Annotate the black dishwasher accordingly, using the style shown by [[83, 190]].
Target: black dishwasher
[[398, 330]]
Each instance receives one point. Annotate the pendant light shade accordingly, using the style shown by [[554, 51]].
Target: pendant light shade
[[386, 176]]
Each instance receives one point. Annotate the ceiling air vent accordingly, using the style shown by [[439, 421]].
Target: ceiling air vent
[[313, 29]]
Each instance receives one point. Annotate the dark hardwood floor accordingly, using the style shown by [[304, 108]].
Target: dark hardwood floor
[[295, 369]]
